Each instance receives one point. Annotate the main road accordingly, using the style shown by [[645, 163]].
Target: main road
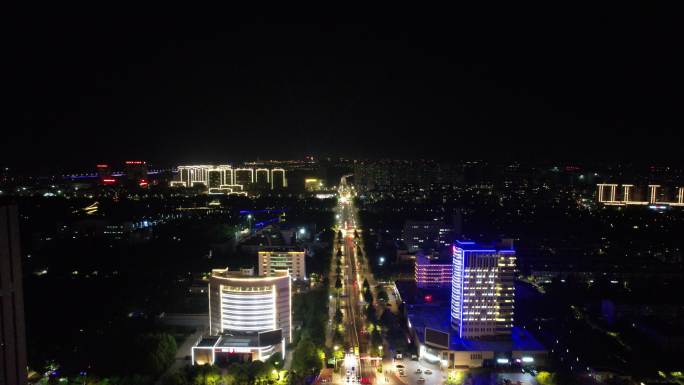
[[352, 273]]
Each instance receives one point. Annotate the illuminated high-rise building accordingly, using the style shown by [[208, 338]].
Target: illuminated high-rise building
[[12, 333], [241, 302], [482, 291], [276, 259], [250, 317]]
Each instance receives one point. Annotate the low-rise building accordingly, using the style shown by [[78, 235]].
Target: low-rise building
[[432, 273], [438, 342]]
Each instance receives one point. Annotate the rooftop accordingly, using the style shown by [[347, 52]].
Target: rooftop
[[230, 340], [504, 245], [438, 318], [207, 342], [238, 340], [238, 274]]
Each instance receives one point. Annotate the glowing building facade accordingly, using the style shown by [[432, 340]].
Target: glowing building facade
[[224, 179], [432, 274], [249, 317], [313, 184], [482, 292], [278, 259], [656, 196]]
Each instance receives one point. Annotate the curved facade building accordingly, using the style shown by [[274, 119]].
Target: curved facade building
[[243, 303], [249, 317]]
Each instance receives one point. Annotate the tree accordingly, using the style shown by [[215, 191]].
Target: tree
[[376, 343], [368, 297], [305, 358], [455, 378], [370, 314], [204, 375], [173, 378], [338, 315], [338, 283], [366, 285], [545, 378], [337, 337], [155, 352], [388, 319], [239, 373], [382, 295], [276, 359]]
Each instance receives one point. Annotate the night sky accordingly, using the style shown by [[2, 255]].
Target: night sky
[[566, 84]]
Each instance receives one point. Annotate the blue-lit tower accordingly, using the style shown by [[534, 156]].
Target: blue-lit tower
[[482, 291]]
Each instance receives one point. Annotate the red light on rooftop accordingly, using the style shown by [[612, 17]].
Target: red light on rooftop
[[102, 165], [428, 298], [108, 180]]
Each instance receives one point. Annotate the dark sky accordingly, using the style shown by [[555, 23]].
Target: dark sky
[[494, 83]]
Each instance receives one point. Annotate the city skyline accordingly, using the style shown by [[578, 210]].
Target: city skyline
[[415, 196]]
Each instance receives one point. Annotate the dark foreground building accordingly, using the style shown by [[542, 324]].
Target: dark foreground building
[[12, 334]]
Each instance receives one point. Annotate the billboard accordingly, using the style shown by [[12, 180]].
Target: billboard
[[436, 338]]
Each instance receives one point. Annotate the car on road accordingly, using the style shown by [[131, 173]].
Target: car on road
[[402, 374], [428, 371], [421, 380], [400, 366], [348, 373], [418, 371]]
